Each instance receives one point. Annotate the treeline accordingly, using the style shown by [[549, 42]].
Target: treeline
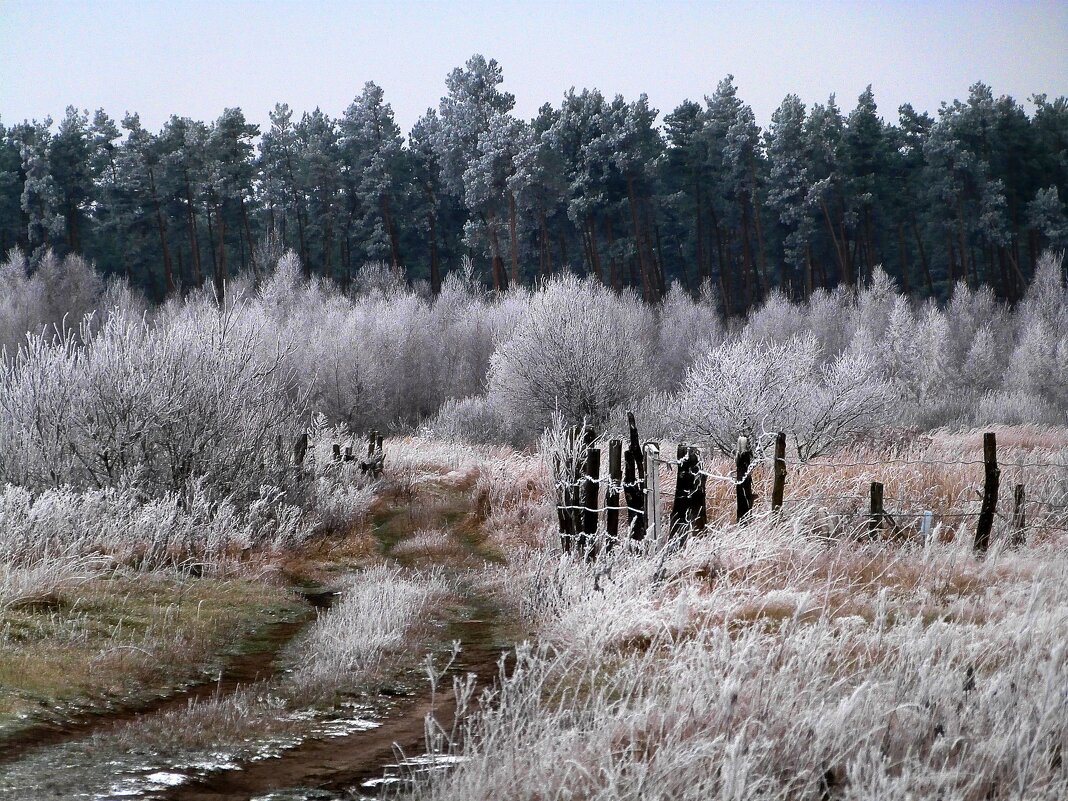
[[593, 185]]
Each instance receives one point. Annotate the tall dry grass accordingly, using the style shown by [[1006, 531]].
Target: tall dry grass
[[788, 659]]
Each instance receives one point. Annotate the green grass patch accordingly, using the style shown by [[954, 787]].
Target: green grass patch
[[122, 639]]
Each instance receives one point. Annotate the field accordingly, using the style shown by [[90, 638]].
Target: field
[[441, 646]]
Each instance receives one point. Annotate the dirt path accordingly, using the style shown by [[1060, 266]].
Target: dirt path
[[343, 764], [346, 764]]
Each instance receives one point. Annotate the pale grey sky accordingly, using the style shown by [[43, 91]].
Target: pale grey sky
[[194, 58]]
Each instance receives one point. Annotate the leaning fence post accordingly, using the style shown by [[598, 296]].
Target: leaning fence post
[[685, 489], [778, 487], [611, 497], [635, 446], [686, 507], [1019, 516], [875, 513], [652, 489], [743, 478], [991, 480]]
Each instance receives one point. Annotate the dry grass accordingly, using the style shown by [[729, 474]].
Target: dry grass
[[785, 659], [123, 637]]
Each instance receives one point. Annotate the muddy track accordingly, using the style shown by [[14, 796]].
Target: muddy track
[[334, 764], [255, 664], [342, 764]]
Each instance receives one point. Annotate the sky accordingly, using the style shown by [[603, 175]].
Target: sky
[[195, 58]]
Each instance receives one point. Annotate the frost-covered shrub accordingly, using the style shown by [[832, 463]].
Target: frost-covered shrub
[[685, 328], [187, 400], [476, 419], [579, 349], [744, 388], [58, 292]]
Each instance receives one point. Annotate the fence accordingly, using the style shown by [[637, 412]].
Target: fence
[[632, 485]]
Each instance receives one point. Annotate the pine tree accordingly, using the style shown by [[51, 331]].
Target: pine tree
[[789, 184], [40, 199], [371, 148]]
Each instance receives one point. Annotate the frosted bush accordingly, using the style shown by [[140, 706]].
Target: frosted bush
[[744, 388], [579, 349], [476, 419], [685, 328], [58, 292], [161, 405]]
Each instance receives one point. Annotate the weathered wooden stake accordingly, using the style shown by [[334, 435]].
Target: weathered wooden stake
[[700, 515], [336, 452], [348, 453], [778, 487], [591, 487], [875, 512], [634, 492], [743, 478], [1019, 516], [300, 449], [372, 438], [576, 456], [992, 479], [611, 498], [684, 507], [635, 446]]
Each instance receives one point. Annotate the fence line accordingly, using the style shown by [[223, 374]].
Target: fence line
[[578, 481]]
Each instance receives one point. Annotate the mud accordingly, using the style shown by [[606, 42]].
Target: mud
[[344, 764]]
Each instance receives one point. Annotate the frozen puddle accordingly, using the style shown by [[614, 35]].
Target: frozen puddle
[[411, 768]]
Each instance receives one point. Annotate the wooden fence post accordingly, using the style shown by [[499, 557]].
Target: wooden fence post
[[635, 446], [348, 453], [611, 498], [300, 449], [1019, 516], [652, 489], [372, 438], [875, 512], [743, 478], [992, 479], [634, 493], [591, 471], [684, 508], [336, 452], [700, 514], [634, 485], [778, 487]]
